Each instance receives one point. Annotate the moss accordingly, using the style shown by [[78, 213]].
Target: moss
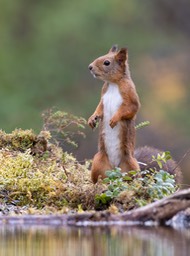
[[36, 174]]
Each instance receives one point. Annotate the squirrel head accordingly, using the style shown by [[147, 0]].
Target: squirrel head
[[111, 67]]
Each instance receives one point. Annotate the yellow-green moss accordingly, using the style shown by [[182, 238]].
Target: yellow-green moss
[[39, 175]]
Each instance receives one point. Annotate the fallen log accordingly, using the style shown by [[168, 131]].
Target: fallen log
[[162, 210], [159, 212]]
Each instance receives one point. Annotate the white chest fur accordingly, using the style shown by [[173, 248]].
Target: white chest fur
[[112, 100]]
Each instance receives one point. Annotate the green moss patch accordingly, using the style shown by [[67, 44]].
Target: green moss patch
[[37, 175]]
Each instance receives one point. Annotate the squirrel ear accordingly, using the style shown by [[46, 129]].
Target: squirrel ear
[[114, 48], [122, 55]]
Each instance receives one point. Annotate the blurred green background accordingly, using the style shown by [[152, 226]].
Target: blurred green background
[[46, 46]]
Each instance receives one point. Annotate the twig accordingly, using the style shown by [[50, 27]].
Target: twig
[[181, 160]]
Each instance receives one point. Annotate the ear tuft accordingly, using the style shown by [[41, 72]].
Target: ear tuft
[[122, 55], [114, 48]]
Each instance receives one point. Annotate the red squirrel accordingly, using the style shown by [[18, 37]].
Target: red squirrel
[[116, 113]]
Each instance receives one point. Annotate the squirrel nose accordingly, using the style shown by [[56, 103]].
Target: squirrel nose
[[90, 67]]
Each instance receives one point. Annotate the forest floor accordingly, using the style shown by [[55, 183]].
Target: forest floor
[[41, 182]]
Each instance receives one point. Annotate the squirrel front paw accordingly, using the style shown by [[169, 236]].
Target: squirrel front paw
[[113, 122], [92, 121]]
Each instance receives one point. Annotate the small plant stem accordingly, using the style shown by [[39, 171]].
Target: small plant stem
[[181, 160]]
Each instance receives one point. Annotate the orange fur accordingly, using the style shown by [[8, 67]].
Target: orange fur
[[113, 69]]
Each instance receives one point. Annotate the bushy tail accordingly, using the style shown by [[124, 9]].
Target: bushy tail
[[144, 155]]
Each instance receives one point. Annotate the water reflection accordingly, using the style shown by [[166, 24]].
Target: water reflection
[[95, 241]]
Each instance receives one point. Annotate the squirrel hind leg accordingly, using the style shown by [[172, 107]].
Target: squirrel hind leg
[[129, 164], [100, 165]]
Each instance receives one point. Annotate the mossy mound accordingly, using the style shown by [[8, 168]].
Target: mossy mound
[[37, 175]]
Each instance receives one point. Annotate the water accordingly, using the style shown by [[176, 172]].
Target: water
[[93, 241]]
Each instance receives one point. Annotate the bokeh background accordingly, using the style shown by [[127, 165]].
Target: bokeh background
[[46, 46]]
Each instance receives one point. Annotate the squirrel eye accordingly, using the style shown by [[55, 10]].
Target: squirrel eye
[[106, 62]]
